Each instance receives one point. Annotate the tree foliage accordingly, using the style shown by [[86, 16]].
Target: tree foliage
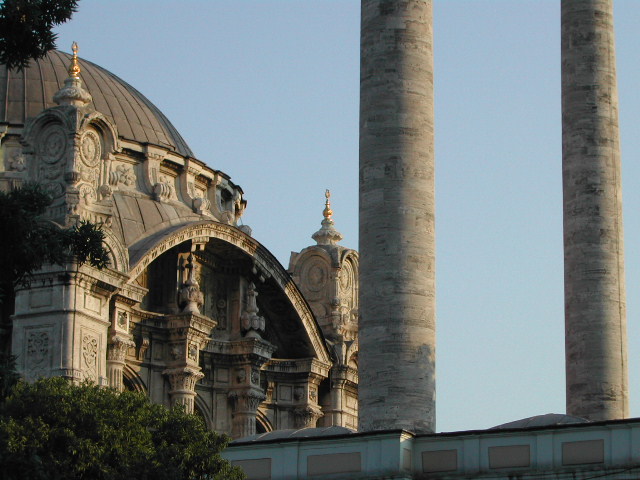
[[26, 28], [28, 241], [52, 430]]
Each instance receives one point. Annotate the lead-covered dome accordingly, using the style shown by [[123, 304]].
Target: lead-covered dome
[[26, 93]]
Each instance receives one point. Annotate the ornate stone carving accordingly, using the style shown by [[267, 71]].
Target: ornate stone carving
[[88, 174], [183, 386], [317, 275], [246, 401], [52, 144], [118, 347], [201, 205], [252, 323], [305, 417], [90, 356], [192, 352], [183, 379], [38, 348], [163, 189], [17, 162], [88, 194], [145, 341], [105, 190], [191, 297], [221, 307], [116, 353], [123, 320], [122, 174], [176, 352], [90, 148]]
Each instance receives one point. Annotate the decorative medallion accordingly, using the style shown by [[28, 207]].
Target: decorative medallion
[[53, 144], [316, 275], [90, 148]]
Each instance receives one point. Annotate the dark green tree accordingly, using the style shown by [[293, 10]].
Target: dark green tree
[[8, 375], [52, 430], [28, 242], [26, 28]]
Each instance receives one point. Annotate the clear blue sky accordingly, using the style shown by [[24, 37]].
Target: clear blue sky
[[267, 91]]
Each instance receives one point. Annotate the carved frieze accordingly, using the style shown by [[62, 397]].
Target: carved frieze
[[38, 352], [122, 175], [163, 189], [90, 356]]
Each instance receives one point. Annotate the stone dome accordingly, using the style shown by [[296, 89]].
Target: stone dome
[[26, 93]]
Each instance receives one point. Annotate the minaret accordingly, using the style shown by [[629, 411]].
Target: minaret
[[595, 310], [396, 365]]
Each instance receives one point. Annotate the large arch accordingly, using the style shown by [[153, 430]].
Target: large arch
[[150, 248]]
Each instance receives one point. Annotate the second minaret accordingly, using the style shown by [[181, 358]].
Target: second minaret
[[595, 309], [397, 241]]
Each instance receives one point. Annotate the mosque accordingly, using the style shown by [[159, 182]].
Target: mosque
[[192, 309], [324, 369]]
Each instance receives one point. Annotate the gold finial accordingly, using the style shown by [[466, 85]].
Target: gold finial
[[327, 205], [74, 68]]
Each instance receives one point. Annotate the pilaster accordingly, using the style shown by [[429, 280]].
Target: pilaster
[[188, 334]]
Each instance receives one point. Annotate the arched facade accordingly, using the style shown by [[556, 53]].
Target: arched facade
[[192, 309]]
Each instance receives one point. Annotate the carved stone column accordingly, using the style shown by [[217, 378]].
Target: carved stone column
[[118, 346], [183, 386], [245, 408], [245, 358], [337, 400], [188, 334], [306, 417]]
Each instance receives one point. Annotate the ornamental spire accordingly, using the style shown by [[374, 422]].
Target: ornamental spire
[[327, 235], [327, 205], [72, 93], [74, 68]]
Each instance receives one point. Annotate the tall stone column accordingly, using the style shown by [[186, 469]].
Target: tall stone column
[[595, 309], [397, 239], [116, 353]]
